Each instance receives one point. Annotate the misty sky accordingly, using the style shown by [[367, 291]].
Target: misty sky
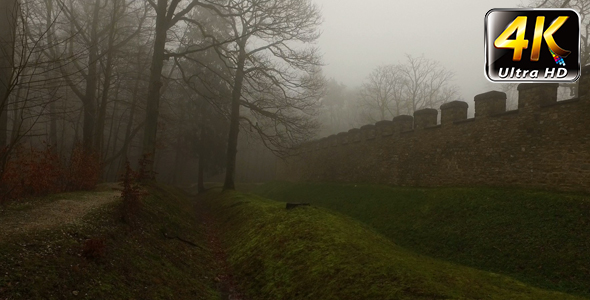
[[360, 35]]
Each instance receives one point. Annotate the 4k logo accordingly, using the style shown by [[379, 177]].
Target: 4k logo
[[532, 45]]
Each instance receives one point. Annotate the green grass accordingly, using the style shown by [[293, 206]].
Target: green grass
[[541, 238], [139, 262], [312, 253]]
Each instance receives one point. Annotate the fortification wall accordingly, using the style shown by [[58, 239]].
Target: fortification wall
[[543, 144]]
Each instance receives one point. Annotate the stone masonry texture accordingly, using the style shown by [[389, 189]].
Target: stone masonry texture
[[543, 144]]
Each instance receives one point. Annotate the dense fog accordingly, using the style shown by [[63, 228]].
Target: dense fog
[[221, 90]]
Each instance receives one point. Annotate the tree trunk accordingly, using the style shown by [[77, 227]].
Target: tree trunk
[[50, 74], [18, 116], [8, 20], [113, 137], [52, 125], [134, 97], [89, 110], [234, 127], [201, 179], [100, 124], [153, 98], [89, 101], [178, 159]]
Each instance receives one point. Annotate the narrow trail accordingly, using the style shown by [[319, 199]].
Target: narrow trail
[[63, 211], [226, 283]]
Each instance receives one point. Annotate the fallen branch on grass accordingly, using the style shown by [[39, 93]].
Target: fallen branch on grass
[[181, 239]]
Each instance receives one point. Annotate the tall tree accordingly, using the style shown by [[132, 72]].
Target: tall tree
[[427, 83], [275, 73], [382, 93], [166, 17], [86, 40], [405, 87], [207, 82], [8, 23]]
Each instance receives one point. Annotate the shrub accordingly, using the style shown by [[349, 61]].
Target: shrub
[[31, 172]]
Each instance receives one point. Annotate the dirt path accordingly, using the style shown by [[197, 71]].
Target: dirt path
[[63, 211], [226, 283]]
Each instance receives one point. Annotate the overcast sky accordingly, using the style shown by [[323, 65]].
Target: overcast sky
[[360, 35]]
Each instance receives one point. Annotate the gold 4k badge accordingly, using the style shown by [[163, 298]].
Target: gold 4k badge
[[532, 45]]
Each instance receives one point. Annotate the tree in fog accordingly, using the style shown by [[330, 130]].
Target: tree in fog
[[168, 14], [403, 88], [8, 23], [24, 79], [96, 33], [209, 141], [427, 83], [381, 94], [61, 92], [195, 129], [274, 74], [207, 80]]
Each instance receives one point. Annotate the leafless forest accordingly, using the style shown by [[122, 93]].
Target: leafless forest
[[190, 91]]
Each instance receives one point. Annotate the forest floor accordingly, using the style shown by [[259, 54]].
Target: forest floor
[[235, 245], [68, 221], [22, 217], [226, 282], [77, 246]]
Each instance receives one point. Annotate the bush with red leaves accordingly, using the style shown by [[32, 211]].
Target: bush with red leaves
[[33, 172]]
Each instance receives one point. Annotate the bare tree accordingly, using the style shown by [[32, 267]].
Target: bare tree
[[95, 40], [25, 83], [205, 79], [72, 79], [166, 17], [427, 83], [403, 88], [8, 25], [382, 93], [275, 75]]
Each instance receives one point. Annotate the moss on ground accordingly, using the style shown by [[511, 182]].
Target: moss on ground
[[138, 261], [541, 238], [312, 253]]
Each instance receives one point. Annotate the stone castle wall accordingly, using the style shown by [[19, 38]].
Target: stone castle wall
[[543, 144]]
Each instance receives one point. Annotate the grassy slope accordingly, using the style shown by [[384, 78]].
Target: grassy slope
[[310, 253], [139, 262], [537, 237]]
